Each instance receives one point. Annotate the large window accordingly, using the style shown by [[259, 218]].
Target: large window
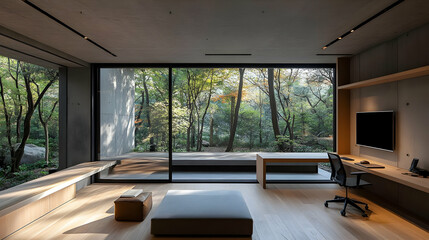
[[28, 121], [223, 116], [220, 119]]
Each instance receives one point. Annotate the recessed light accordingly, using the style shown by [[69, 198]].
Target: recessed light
[[353, 29], [228, 54], [66, 26]]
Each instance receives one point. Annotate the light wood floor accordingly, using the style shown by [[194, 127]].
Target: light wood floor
[[283, 211]]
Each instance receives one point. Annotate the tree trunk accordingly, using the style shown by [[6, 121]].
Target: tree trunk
[[232, 112], [193, 136], [138, 117], [200, 134], [273, 107], [18, 106], [8, 121], [260, 118], [188, 133], [190, 111], [229, 148], [302, 120], [151, 141], [211, 131], [46, 131], [188, 139], [31, 106]]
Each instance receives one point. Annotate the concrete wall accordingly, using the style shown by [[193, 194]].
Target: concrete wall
[[408, 98], [78, 115], [117, 88], [75, 116]]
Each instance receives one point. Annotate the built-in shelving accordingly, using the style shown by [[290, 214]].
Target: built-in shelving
[[413, 73]]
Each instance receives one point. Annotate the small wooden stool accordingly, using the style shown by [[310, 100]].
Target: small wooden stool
[[133, 208]]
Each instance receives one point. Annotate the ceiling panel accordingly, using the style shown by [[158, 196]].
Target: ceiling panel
[[171, 31]]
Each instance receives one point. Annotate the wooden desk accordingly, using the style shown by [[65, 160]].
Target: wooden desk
[[263, 158], [391, 173]]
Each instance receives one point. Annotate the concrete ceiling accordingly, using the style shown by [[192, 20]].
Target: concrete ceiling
[[172, 31]]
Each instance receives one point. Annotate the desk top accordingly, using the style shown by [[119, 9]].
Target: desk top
[[23, 194], [293, 155], [390, 172]]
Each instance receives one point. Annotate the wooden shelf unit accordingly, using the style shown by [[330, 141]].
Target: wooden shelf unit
[[413, 73]]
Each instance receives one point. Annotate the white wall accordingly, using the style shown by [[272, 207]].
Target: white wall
[[117, 87]]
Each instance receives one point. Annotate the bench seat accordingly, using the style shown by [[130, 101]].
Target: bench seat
[[26, 202]]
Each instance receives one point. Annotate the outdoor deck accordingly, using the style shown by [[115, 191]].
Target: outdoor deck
[[193, 158], [154, 165]]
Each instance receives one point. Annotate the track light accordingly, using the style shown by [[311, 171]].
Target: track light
[[365, 22]]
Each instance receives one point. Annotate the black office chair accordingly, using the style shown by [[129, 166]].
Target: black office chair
[[339, 175]]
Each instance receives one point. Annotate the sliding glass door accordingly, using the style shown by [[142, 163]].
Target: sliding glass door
[[134, 122], [220, 119]]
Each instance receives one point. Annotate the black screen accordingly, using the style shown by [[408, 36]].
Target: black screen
[[376, 129]]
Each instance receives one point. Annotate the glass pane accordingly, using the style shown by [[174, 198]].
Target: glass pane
[[134, 122], [28, 135], [222, 117]]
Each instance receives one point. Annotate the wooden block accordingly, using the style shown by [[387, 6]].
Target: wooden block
[[134, 208]]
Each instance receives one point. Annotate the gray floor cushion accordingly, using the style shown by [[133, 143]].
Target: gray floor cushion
[[197, 212]]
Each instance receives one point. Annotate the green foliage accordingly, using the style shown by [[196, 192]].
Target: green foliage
[[12, 73], [304, 100]]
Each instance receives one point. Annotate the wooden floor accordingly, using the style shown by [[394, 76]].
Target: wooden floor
[[283, 211]]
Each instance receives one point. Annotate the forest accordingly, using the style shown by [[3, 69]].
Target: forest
[[28, 121], [241, 109]]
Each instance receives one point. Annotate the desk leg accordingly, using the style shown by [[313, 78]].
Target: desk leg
[[261, 171]]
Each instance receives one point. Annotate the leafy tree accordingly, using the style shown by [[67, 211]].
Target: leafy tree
[[233, 128], [46, 109], [21, 100]]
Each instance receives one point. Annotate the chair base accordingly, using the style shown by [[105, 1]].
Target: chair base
[[347, 201]]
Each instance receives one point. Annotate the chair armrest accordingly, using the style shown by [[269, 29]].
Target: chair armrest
[[357, 173]]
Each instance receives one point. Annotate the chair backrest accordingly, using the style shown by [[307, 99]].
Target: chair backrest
[[338, 173]]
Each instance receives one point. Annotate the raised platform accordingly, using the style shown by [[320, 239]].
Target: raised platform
[[26, 202], [202, 212]]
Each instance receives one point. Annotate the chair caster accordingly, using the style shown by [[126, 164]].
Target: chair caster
[[326, 204], [364, 215], [366, 207], [343, 213]]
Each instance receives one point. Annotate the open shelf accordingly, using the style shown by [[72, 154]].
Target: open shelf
[[413, 73]]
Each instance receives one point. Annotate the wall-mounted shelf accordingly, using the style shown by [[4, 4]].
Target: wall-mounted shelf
[[413, 73]]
